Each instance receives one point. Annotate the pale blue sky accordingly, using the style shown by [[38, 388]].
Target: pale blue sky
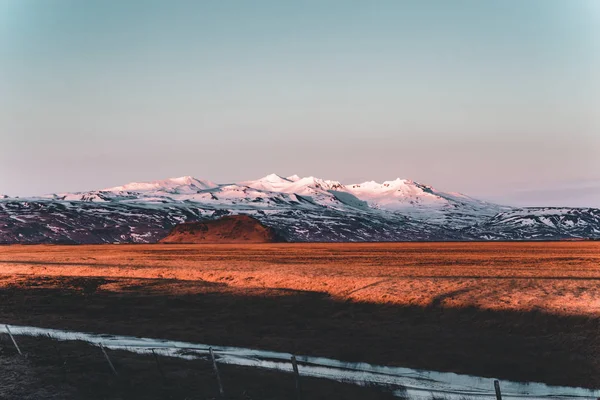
[[496, 99]]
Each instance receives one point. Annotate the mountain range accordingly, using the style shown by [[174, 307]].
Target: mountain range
[[298, 209]]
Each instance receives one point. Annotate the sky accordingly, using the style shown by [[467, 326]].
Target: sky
[[498, 99]]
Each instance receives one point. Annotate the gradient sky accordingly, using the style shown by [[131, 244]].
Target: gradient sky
[[496, 99]]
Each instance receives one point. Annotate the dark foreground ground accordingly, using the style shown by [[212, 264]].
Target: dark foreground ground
[[521, 346], [513, 311], [53, 370]]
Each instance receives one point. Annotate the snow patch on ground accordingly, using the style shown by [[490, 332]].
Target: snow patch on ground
[[415, 384]]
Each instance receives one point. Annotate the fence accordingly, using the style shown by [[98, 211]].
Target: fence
[[403, 382]]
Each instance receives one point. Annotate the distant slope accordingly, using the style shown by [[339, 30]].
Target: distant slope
[[299, 209], [228, 229], [542, 223]]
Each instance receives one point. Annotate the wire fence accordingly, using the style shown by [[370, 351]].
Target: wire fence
[[403, 382]]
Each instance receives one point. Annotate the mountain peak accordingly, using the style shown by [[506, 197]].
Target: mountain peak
[[273, 178], [318, 183], [183, 180], [169, 184]]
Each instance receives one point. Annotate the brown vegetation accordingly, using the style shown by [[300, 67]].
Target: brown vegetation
[[520, 311], [229, 229], [557, 277]]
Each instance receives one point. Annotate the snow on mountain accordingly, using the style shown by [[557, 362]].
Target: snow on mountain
[[181, 185], [159, 191], [423, 202], [403, 196], [267, 192], [542, 223], [400, 196], [293, 184], [301, 209], [308, 189]]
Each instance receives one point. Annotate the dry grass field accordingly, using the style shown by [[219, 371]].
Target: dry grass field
[[561, 278], [520, 311]]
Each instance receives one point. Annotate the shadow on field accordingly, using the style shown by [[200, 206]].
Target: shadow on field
[[76, 370], [521, 346]]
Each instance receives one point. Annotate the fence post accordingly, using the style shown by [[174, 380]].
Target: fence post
[[297, 376], [214, 363], [162, 373], [112, 367], [497, 388], [13, 339]]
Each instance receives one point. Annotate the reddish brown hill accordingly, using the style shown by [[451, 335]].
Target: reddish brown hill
[[229, 229]]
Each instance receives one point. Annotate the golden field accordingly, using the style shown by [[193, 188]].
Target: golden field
[[557, 277], [518, 311]]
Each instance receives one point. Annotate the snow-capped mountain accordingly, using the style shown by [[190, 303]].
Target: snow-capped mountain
[[300, 209], [424, 203], [543, 223], [184, 184], [400, 196]]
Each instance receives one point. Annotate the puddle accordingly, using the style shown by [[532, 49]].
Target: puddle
[[406, 382]]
